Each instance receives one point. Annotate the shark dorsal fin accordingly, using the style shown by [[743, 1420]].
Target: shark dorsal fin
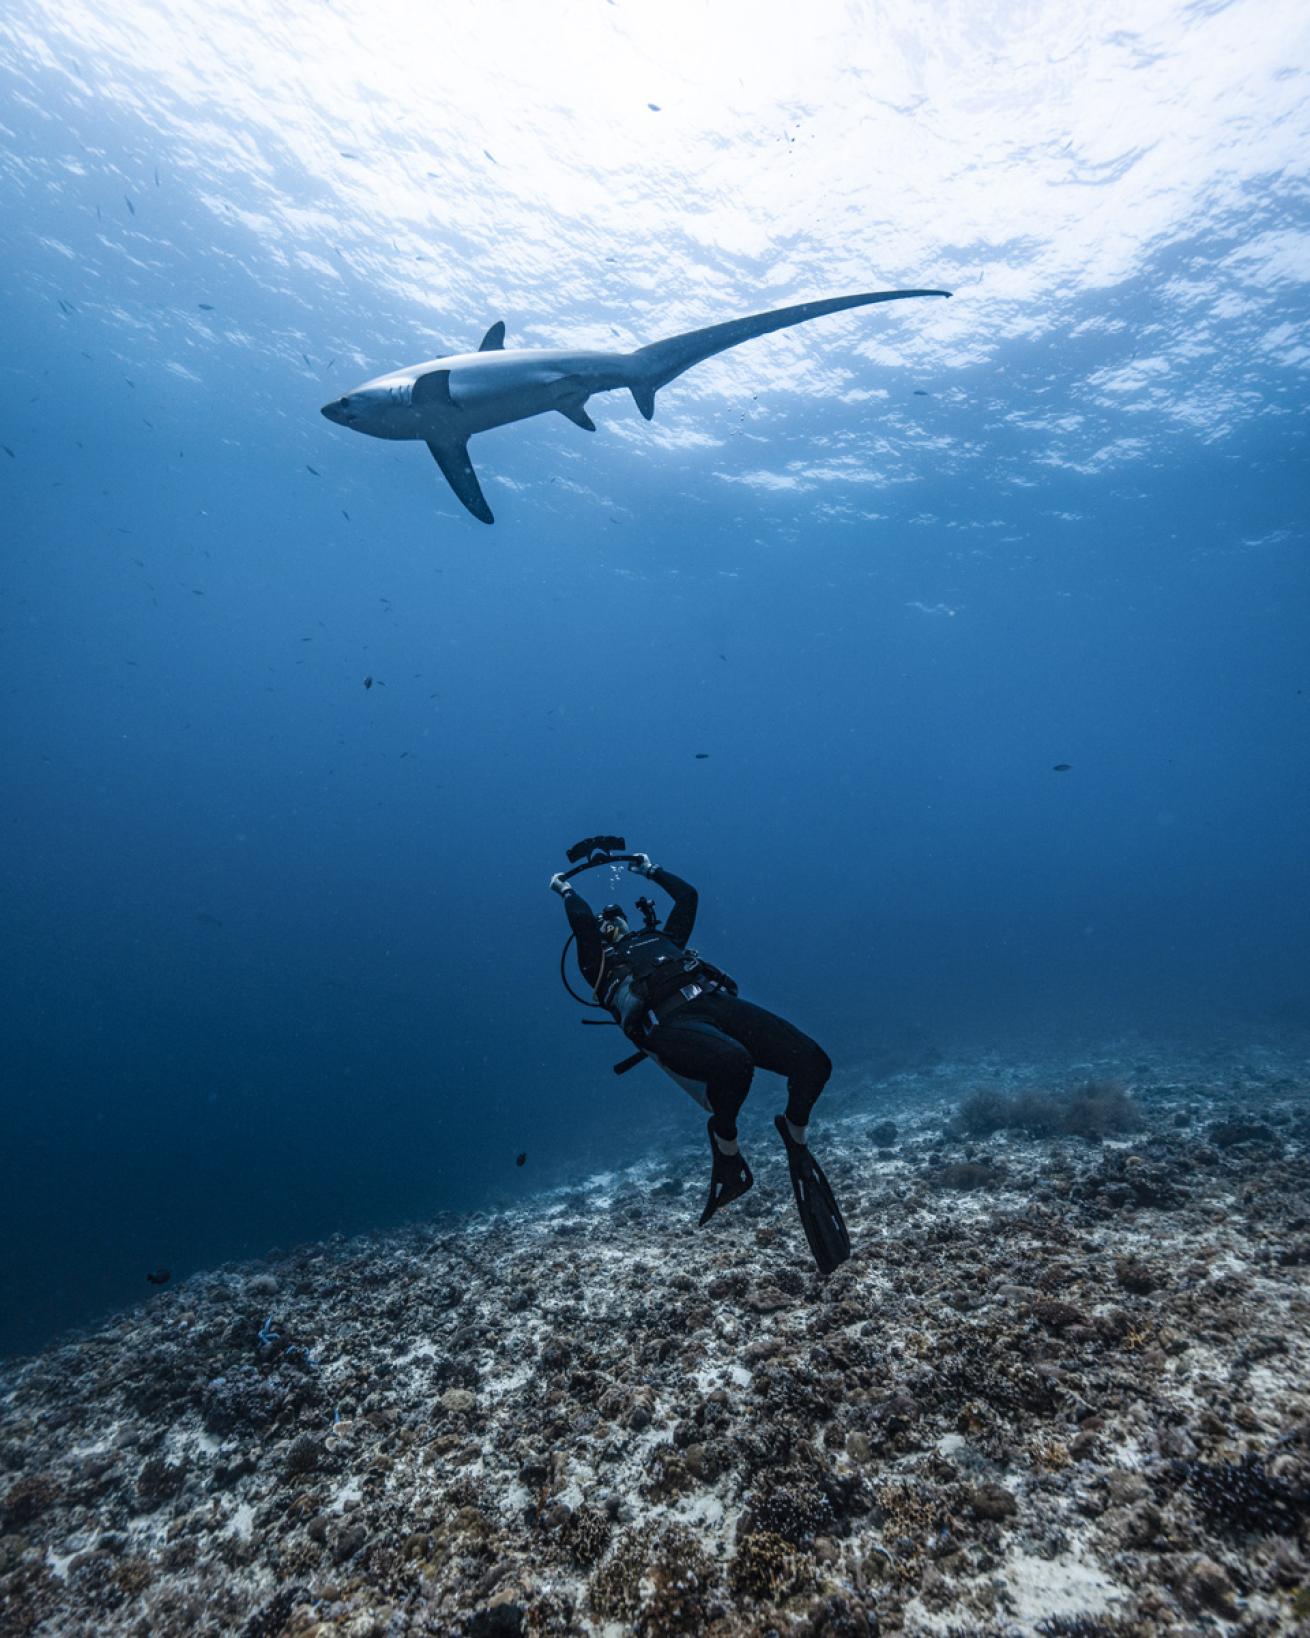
[[494, 340]]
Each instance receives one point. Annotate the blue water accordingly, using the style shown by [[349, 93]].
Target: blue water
[[279, 955]]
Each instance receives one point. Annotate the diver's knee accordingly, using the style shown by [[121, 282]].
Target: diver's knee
[[818, 1067]]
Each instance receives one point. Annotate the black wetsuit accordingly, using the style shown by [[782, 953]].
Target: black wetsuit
[[716, 1038]]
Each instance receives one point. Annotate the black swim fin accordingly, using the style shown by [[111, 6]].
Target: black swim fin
[[820, 1215], [729, 1179]]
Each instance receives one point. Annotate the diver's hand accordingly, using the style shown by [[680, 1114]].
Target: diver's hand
[[640, 863], [558, 884]]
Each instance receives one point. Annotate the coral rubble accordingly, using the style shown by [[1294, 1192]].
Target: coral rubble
[[1059, 1389]]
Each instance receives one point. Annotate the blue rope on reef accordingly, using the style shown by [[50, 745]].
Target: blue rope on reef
[[268, 1336]]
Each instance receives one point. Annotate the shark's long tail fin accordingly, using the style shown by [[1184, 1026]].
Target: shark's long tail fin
[[655, 366]]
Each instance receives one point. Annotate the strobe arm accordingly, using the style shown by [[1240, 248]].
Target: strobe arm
[[594, 851], [595, 844]]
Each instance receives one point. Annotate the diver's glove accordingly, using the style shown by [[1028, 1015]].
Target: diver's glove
[[560, 884], [640, 863]]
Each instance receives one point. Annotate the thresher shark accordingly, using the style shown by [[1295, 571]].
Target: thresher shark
[[445, 401]]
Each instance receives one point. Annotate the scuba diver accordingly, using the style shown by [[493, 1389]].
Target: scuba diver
[[685, 1014]]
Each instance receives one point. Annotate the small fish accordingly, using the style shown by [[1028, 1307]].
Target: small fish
[[521, 1160], [305, 356], [208, 920], [702, 756], [160, 1276], [920, 393], [368, 682], [8, 452], [1062, 767], [346, 154], [205, 306], [654, 107], [489, 155], [345, 514], [129, 204], [313, 469]]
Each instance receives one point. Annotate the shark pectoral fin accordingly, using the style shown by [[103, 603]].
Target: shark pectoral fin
[[494, 340], [432, 391], [644, 398], [578, 416], [453, 459]]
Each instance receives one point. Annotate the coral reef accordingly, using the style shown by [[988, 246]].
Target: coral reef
[[1096, 1110], [1060, 1389], [1244, 1497]]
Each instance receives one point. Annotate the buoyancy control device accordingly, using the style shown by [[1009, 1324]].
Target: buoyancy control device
[[645, 972]]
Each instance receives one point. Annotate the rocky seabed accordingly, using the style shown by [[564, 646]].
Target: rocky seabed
[[1060, 1388]]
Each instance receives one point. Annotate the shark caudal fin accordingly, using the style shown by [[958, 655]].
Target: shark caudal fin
[[655, 366]]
